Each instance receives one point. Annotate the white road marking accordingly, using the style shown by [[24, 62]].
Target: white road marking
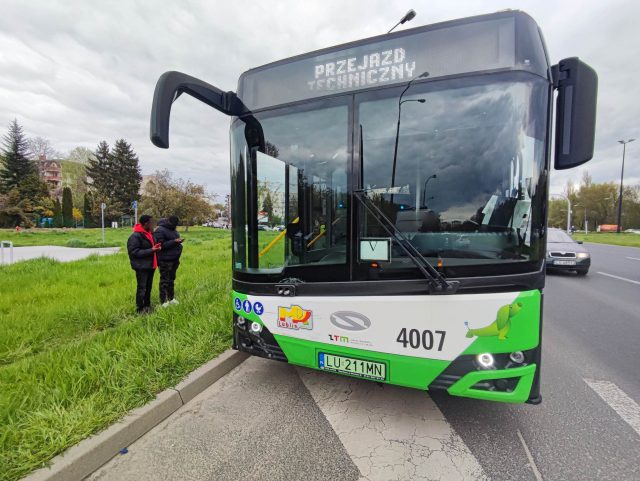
[[620, 278], [391, 432], [532, 463], [634, 258], [618, 400]]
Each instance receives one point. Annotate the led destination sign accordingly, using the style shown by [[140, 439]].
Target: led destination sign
[[369, 69], [451, 50]]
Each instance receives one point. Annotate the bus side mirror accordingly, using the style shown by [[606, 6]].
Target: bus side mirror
[[170, 86], [577, 85]]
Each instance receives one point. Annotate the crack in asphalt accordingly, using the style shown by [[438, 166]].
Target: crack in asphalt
[[391, 433]]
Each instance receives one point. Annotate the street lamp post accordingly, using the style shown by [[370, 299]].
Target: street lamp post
[[424, 191], [407, 17], [400, 102], [624, 150], [586, 228], [566, 197]]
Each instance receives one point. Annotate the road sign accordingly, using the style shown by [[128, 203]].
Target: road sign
[[134, 204]]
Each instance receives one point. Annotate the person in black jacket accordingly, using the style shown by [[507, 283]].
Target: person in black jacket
[[142, 251], [168, 258]]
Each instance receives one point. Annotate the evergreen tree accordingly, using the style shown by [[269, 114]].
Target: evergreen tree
[[267, 206], [14, 157], [57, 214], [125, 176], [99, 179], [67, 207], [98, 170], [88, 210]]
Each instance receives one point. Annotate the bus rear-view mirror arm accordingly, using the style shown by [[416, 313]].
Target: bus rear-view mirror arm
[[170, 86]]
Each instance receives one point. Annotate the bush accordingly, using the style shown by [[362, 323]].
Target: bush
[[76, 243]]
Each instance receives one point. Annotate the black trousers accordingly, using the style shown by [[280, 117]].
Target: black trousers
[[143, 291], [167, 279]]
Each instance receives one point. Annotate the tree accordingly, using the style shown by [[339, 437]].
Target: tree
[[24, 204], [88, 210], [39, 146], [114, 178], [267, 206], [80, 155], [57, 214], [16, 165], [164, 196], [11, 214], [74, 176], [77, 216], [67, 207], [98, 167], [125, 176], [194, 203]]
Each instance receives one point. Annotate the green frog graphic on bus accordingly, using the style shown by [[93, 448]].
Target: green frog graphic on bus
[[500, 327]]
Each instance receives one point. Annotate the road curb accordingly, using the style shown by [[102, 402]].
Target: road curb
[[84, 458]]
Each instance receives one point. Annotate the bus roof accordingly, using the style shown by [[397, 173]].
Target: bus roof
[[508, 40]]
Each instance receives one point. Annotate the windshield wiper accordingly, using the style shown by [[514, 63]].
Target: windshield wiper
[[436, 281]]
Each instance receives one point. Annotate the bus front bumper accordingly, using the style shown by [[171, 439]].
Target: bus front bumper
[[506, 381]]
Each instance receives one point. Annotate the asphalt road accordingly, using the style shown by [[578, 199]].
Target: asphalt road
[[268, 420]]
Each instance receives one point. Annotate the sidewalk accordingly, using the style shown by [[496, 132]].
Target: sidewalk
[[62, 254]]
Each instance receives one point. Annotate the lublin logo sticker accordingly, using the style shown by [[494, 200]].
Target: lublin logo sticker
[[350, 321], [294, 317]]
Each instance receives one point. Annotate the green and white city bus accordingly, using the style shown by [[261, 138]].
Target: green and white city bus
[[411, 171]]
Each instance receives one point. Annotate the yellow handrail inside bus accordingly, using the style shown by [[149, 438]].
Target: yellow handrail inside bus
[[319, 236], [278, 237]]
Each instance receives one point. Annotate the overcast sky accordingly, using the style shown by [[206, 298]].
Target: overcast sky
[[77, 72]]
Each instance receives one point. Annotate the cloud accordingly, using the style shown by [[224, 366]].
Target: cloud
[[78, 72]]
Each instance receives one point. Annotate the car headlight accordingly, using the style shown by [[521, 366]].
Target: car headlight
[[582, 255]]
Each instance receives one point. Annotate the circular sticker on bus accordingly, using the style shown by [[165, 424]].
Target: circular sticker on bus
[[246, 306], [258, 308], [237, 303]]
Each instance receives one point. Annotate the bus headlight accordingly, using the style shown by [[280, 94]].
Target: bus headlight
[[485, 360], [582, 255], [240, 321]]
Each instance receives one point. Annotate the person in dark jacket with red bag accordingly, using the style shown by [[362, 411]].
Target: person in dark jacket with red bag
[[142, 249], [168, 258]]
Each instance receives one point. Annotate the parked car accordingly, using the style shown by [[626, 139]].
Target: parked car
[[564, 253]]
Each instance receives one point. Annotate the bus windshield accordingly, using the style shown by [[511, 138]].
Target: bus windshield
[[470, 155], [467, 188]]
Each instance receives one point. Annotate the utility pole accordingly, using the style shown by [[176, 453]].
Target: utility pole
[[586, 222], [102, 207], [624, 150]]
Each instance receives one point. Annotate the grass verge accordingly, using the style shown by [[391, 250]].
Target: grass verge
[[66, 237], [73, 356], [623, 239]]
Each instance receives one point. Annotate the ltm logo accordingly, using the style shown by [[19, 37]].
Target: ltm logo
[[337, 338]]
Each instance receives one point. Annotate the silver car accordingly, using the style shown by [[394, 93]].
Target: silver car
[[564, 253]]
